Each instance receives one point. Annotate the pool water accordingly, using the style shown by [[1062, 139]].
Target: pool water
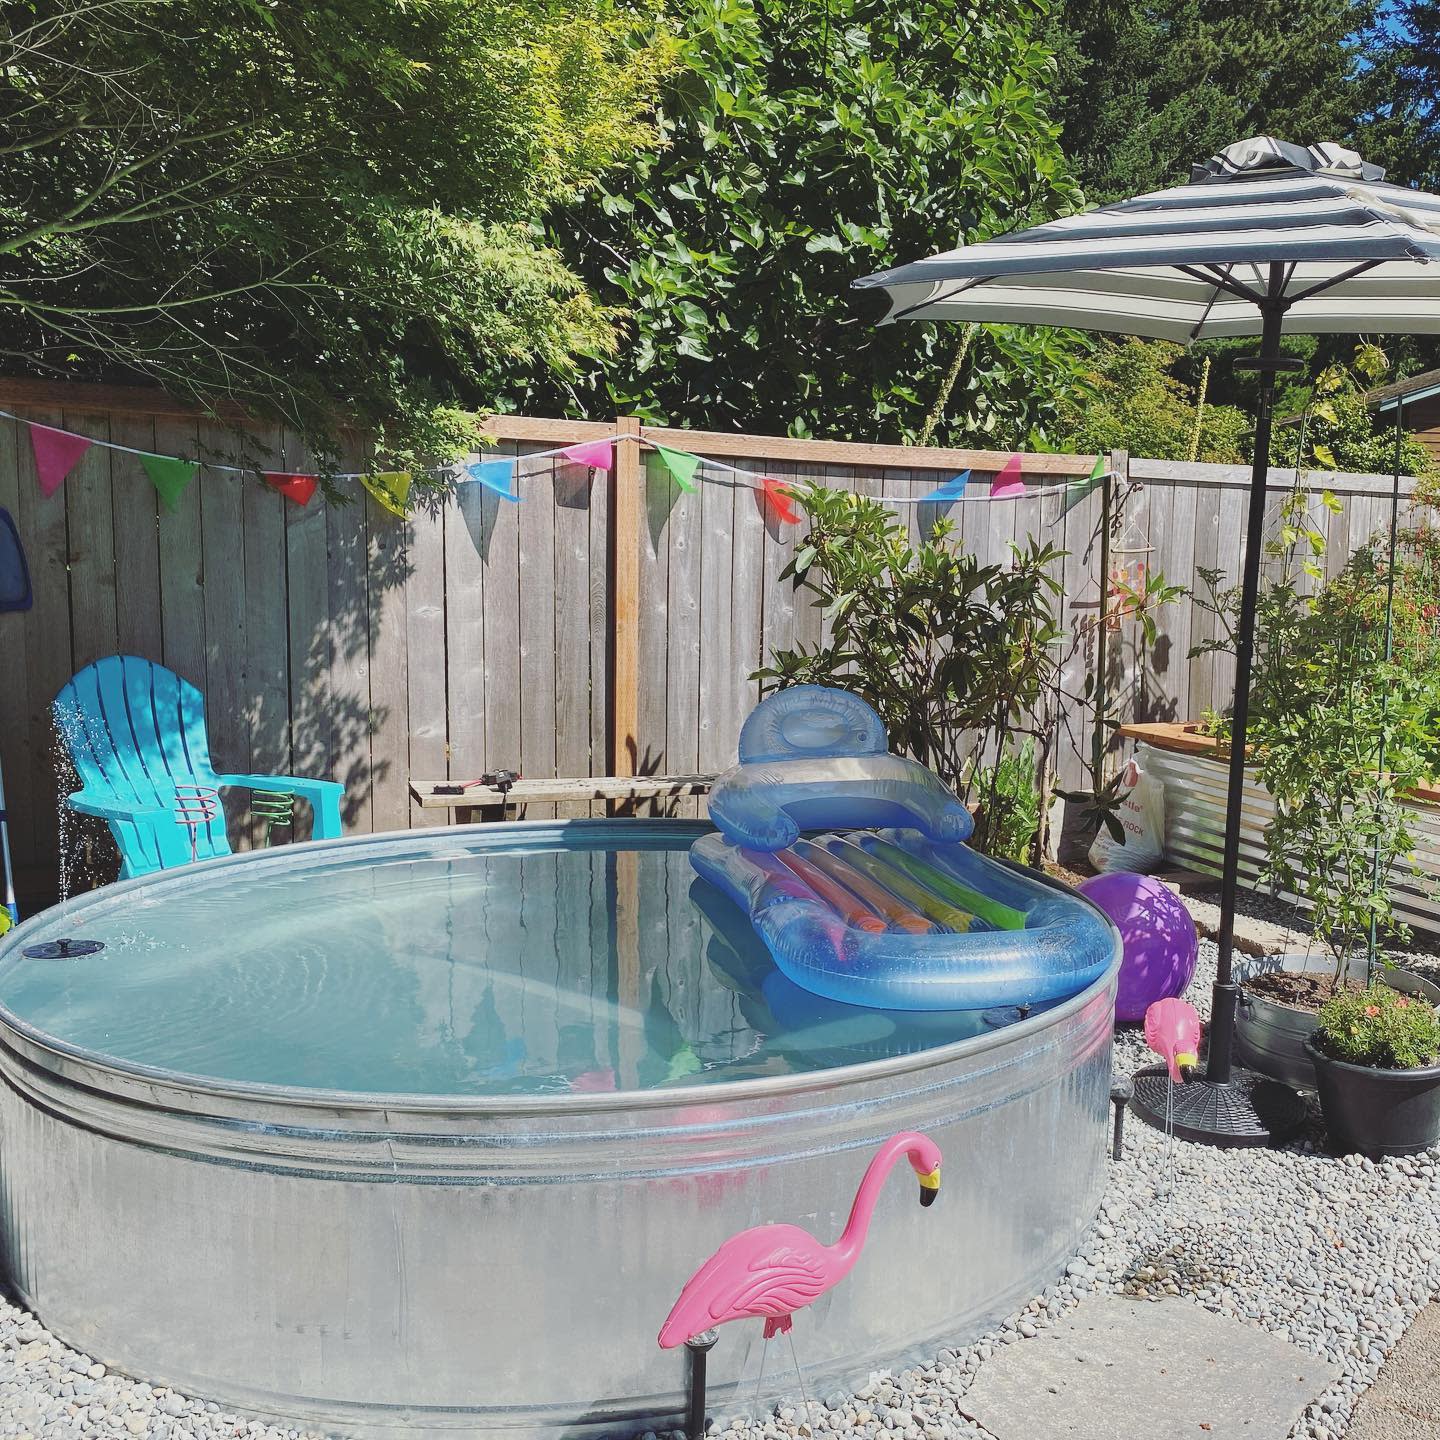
[[445, 967]]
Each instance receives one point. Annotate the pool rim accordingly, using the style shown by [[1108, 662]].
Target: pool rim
[[77, 1064]]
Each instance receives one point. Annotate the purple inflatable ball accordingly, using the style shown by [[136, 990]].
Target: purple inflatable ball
[[1158, 937]]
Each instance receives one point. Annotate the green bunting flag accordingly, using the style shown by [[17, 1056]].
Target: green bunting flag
[[169, 476], [1078, 490], [681, 464], [391, 489]]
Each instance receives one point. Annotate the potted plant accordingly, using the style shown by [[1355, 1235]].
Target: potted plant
[[1342, 726], [1377, 1066]]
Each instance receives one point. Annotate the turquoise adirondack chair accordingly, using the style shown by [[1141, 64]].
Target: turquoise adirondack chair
[[136, 732]]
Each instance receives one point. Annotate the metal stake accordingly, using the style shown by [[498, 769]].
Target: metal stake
[[699, 1347], [1121, 1093]]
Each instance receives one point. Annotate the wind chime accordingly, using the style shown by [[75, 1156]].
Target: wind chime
[[1126, 576]]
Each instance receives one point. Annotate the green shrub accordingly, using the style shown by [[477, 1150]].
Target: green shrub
[[1009, 818], [1379, 1027]]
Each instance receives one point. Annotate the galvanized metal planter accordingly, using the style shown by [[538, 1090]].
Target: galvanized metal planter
[[1195, 825], [1270, 1037], [399, 1265]]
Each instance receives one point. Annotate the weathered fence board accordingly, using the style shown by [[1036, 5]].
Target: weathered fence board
[[338, 640]]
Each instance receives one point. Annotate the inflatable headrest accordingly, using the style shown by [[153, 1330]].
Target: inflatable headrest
[[811, 722]]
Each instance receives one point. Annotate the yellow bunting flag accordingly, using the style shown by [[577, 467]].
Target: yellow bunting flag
[[391, 489]]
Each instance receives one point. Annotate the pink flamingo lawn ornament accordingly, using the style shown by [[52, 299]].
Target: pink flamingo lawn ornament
[[775, 1270], [771, 1271], [1172, 1031]]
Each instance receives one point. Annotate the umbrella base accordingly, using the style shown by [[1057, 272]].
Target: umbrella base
[[1247, 1110]]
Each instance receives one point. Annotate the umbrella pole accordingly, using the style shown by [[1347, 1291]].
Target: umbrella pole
[[1226, 999], [1221, 1109]]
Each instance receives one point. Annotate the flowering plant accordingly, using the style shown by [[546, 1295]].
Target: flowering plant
[[1379, 1027]]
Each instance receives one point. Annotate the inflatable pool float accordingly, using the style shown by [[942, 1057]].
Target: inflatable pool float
[[851, 865]]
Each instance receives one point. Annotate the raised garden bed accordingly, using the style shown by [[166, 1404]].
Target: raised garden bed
[[1193, 768]]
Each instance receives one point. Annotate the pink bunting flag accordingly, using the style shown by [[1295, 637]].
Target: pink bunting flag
[[56, 454], [780, 501], [597, 454], [1008, 482], [299, 488]]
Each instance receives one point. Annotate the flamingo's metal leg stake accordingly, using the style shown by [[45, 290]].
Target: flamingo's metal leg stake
[[699, 1347], [1121, 1093]]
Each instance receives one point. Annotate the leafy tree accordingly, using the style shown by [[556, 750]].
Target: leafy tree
[[1145, 90], [805, 143], [1134, 402], [1402, 127], [312, 210], [1340, 431]]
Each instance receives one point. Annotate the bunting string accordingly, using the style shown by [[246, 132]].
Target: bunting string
[[58, 451]]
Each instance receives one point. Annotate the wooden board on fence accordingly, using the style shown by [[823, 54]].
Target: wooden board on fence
[[467, 519], [570, 599], [428, 796], [429, 748], [683, 699], [537, 621]]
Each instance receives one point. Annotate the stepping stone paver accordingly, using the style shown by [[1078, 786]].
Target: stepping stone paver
[[1119, 1369]]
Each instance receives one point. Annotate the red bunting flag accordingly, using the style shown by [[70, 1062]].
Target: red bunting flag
[[299, 488], [1008, 482], [56, 454], [780, 500]]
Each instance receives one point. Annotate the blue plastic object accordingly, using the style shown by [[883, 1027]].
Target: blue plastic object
[[893, 911], [812, 758], [15, 592], [136, 734]]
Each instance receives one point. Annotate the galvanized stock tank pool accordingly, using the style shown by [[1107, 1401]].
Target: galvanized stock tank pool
[[424, 1132]]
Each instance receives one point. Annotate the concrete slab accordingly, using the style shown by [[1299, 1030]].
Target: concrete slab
[[1404, 1401], [1252, 937], [1119, 1369]]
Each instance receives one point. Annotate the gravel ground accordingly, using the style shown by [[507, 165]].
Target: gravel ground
[[1337, 1256]]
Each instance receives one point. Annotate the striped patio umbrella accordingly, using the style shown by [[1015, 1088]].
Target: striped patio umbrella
[[1267, 239]]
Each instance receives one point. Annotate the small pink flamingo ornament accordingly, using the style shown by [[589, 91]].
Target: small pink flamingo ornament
[[775, 1270], [1172, 1031]]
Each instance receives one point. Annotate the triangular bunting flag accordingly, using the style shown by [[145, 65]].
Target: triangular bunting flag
[[780, 500], [55, 455], [597, 454], [681, 464], [299, 488], [169, 476], [951, 490], [1077, 490], [496, 475], [1008, 482], [391, 488]]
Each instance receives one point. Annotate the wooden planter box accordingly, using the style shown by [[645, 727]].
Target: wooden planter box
[[1194, 771]]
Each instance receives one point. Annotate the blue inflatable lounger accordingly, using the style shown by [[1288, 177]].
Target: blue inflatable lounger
[[852, 865]]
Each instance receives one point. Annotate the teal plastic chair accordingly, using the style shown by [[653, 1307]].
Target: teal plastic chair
[[136, 732]]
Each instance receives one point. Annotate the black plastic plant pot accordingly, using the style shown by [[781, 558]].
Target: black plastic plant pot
[[1377, 1112]]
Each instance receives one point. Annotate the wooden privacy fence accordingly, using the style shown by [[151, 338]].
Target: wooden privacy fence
[[606, 624]]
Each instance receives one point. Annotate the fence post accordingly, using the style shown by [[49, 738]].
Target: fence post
[[1118, 469], [627, 523]]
